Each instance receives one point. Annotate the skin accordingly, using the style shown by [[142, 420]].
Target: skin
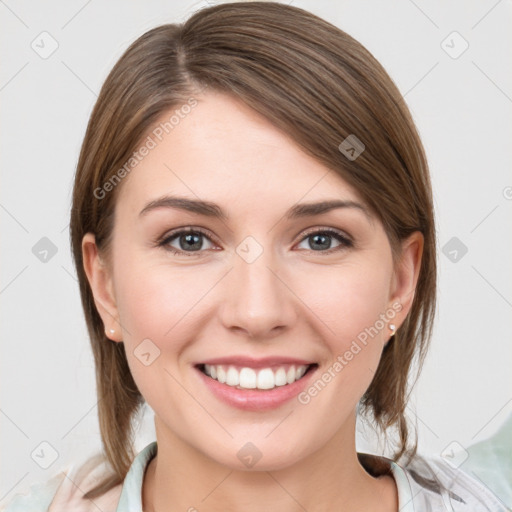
[[295, 299]]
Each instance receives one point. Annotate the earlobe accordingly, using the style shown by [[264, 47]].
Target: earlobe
[[406, 275], [100, 281]]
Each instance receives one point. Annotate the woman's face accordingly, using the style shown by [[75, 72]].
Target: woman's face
[[259, 290]]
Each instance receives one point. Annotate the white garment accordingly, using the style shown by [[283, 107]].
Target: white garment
[[425, 485], [479, 482]]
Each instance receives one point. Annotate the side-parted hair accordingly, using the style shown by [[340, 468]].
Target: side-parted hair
[[315, 83]]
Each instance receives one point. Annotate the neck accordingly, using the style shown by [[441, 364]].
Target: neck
[[180, 478]]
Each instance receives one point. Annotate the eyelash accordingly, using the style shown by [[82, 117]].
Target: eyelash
[[164, 242]]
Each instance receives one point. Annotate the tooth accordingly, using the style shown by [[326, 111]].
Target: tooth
[[221, 375], [280, 377], [301, 370], [266, 379], [290, 376], [247, 378], [232, 377]]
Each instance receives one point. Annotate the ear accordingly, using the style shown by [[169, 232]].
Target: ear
[[100, 280], [406, 274]]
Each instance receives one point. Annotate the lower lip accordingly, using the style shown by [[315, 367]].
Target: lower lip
[[254, 399]]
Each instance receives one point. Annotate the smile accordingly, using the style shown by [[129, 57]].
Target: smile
[[256, 378], [255, 384]]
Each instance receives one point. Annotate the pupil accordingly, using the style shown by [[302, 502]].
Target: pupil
[[191, 240], [323, 238]]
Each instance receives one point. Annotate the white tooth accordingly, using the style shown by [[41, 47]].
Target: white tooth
[[266, 379], [247, 378], [232, 377], [290, 376], [301, 370], [280, 377], [221, 375]]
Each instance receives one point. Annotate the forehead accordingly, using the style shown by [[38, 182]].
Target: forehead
[[224, 151]]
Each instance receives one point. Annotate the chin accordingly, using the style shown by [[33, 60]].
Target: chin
[[261, 454]]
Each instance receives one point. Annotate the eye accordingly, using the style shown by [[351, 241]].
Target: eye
[[320, 241], [189, 241]]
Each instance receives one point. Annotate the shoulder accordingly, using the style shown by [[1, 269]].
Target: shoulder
[[473, 479], [36, 498], [63, 492], [476, 478], [490, 461], [437, 485]]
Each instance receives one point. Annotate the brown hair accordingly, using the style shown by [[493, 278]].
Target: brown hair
[[316, 83]]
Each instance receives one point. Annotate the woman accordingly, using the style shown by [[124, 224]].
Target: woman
[[253, 232]]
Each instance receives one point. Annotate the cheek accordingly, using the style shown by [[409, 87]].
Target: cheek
[[153, 301], [158, 311], [350, 301], [350, 306]]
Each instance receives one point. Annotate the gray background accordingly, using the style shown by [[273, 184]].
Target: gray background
[[461, 103]]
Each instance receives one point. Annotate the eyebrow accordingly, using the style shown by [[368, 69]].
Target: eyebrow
[[213, 210]]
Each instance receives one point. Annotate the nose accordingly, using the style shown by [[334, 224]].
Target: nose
[[258, 301]]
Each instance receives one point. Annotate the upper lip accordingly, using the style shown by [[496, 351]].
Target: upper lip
[[251, 362]]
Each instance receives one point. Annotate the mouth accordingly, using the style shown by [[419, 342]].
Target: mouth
[[256, 377]]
